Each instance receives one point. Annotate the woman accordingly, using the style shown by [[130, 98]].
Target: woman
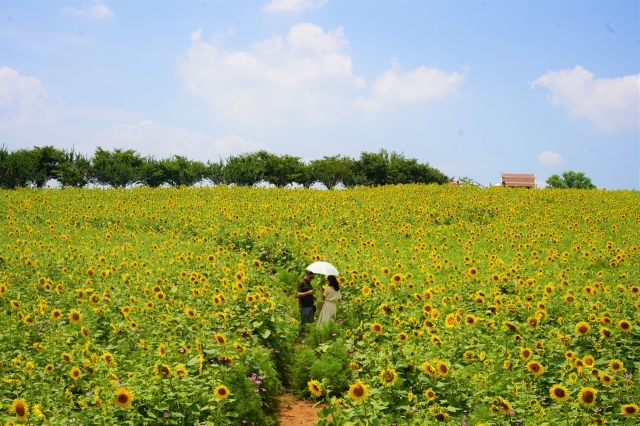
[[330, 296]]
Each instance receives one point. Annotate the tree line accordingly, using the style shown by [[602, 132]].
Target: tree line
[[122, 168]]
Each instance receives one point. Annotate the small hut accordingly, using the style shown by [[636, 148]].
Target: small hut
[[518, 180]]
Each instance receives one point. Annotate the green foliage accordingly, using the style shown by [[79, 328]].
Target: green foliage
[[73, 171], [180, 171], [570, 179], [122, 168], [317, 336], [383, 168], [335, 170], [300, 371], [280, 170], [243, 170], [333, 367], [17, 169], [118, 169], [214, 172]]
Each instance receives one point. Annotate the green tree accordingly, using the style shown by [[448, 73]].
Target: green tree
[[214, 172], [570, 179], [151, 173], [47, 160], [74, 169], [332, 171], [307, 176], [180, 171], [18, 168], [117, 169], [243, 170], [280, 170], [373, 167]]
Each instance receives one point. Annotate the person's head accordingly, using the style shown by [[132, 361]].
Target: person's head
[[333, 282], [309, 276]]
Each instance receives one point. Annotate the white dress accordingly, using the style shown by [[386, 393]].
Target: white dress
[[329, 308]]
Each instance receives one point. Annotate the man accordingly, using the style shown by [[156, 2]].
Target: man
[[306, 300]]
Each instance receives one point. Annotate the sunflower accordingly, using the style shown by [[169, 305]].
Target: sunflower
[[605, 379], [221, 392], [402, 337], [75, 373], [535, 368], [450, 321], [56, 314], [504, 406], [559, 393], [588, 360], [587, 396], [20, 408], [164, 371], [181, 371], [388, 376], [430, 394], [533, 322], [615, 365], [240, 350], [123, 398], [473, 272], [442, 368], [220, 339], [314, 387], [162, 350], [582, 328], [625, 326], [75, 317], [629, 410], [66, 357], [605, 333], [190, 313], [48, 368], [85, 332], [376, 328], [525, 353], [358, 391]]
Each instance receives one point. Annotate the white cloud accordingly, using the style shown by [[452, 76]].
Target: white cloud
[[18, 91], [95, 10], [611, 104], [549, 158], [293, 6], [305, 76], [161, 141], [24, 100], [419, 84]]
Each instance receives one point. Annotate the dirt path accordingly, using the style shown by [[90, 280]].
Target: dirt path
[[294, 412]]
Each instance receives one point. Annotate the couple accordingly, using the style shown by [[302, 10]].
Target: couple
[[306, 300]]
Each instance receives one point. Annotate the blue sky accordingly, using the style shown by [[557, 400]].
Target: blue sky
[[474, 88]]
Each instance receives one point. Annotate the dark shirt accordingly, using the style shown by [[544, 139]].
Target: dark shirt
[[305, 301]]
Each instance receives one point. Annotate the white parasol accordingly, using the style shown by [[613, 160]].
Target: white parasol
[[323, 268]]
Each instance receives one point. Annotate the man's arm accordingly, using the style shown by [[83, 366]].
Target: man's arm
[[306, 293], [302, 292]]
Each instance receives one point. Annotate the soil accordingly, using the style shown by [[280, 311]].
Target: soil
[[297, 412]]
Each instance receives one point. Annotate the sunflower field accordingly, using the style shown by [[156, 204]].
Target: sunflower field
[[460, 306]]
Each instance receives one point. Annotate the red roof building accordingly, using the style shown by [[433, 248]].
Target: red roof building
[[518, 180]]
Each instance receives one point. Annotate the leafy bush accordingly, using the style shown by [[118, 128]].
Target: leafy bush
[[332, 368]]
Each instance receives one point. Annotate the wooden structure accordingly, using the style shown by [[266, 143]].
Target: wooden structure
[[518, 180]]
